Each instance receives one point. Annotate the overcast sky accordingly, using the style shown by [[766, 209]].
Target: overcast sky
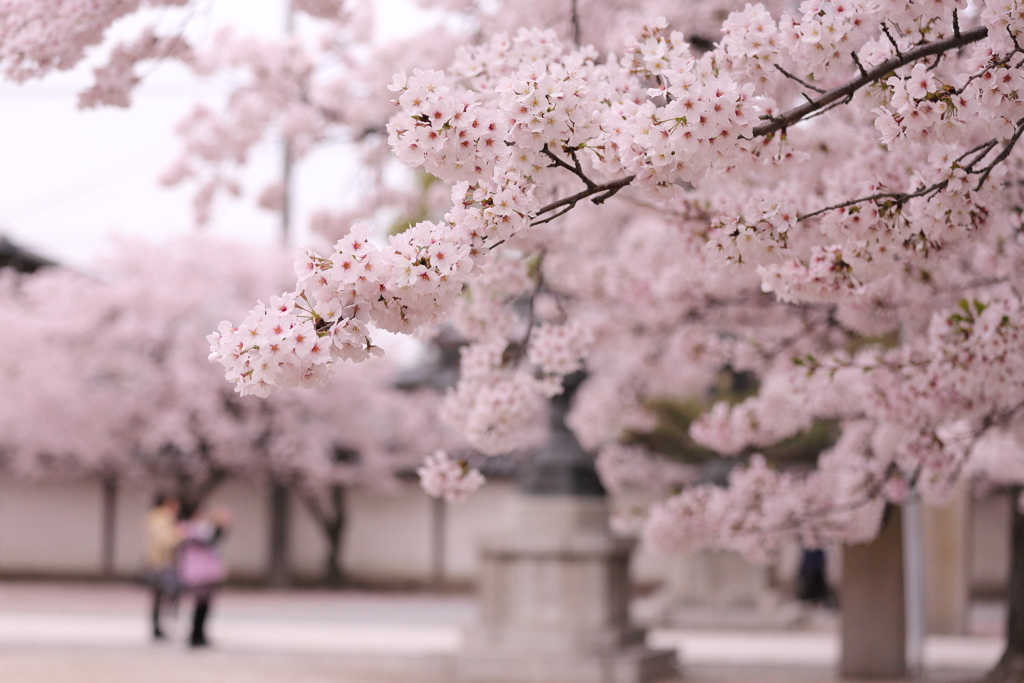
[[71, 178]]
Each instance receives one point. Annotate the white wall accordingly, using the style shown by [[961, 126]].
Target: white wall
[[132, 504], [50, 528], [307, 545], [388, 536], [55, 528]]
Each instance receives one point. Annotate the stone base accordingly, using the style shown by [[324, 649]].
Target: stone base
[[554, 602], [708, 618], [636, 664]]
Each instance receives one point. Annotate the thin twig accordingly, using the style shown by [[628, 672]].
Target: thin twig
[[576, 169], [984, 148], [860, 67], [607, 189], [899, 197], [1002, 155], [1002, 62], [1013, 37], [885, 30], [800, 80], [565, 210]]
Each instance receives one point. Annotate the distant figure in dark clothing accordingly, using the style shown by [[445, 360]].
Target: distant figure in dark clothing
[[200, 566], [812, 585]]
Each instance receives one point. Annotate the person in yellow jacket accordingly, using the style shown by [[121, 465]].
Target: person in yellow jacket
[[162, 538]]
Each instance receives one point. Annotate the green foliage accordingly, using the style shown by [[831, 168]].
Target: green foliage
[[671, 437], [422, 213]]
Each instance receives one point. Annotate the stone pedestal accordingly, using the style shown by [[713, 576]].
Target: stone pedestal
[[714, 590], [554, 598], [873, 608], [722, 578]]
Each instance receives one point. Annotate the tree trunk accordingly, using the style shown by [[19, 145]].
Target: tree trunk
[[1011, 665], [109, 521], [278, 573], [335, 531]]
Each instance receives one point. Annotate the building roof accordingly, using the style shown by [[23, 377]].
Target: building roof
[[22, 260]]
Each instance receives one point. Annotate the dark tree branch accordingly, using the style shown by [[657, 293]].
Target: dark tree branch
[[576, 169], [813, 107], [847, 90], [604, 192]]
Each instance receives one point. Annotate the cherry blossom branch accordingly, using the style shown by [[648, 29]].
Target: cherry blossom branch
[[813, 107], [901, 198], [1017, 49], [847, 90], [990, 420], [870, 495], [895, 45]]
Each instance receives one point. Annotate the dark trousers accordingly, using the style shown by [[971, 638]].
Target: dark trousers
[[198, 637], [158, 599], [165, 593]]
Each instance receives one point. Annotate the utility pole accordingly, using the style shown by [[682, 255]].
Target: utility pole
[[286, 160], [278, 571]]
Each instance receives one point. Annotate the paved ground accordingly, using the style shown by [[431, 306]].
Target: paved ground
[[81, 633]]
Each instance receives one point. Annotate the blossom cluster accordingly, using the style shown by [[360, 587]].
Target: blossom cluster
[[762, 507], [294, 339], [441, 476], [37, 37], [627, 468], [497, 406]]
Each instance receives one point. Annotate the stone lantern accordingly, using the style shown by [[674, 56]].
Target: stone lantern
[[554, 591]]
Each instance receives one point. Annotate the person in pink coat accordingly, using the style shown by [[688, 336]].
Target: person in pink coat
[[200, 565]]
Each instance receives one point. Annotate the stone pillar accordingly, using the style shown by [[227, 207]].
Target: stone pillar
[[872, 601], [947, 564], [554, 591]]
